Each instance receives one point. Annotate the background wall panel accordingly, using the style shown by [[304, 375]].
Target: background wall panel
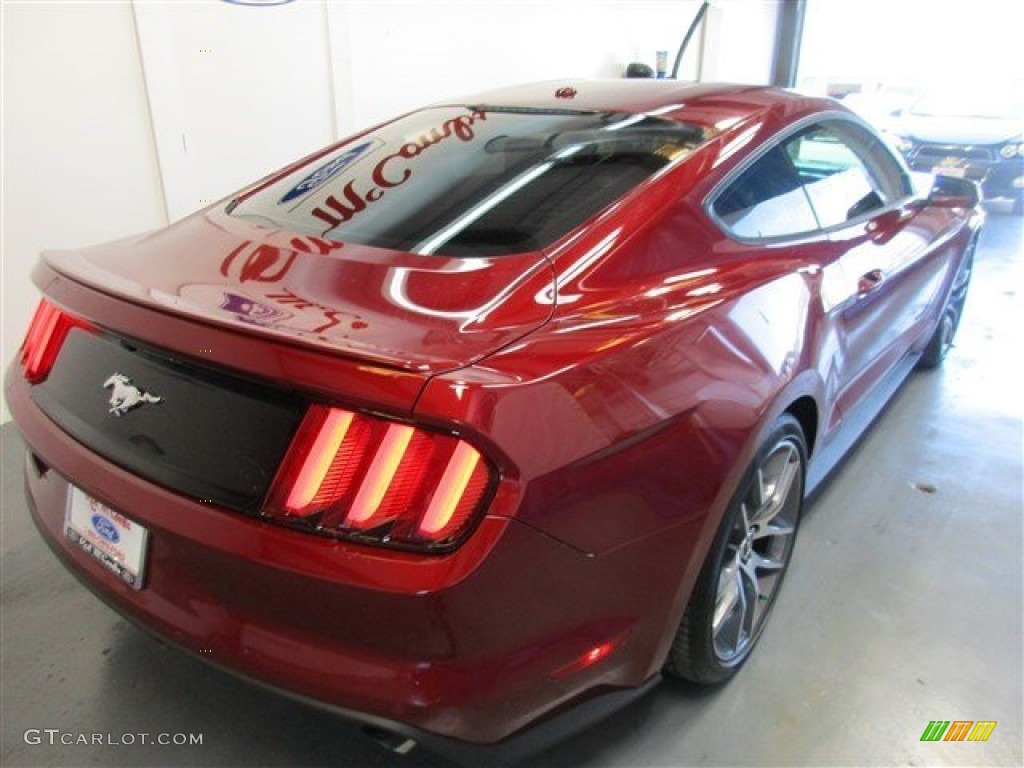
[[79, 166], [235, 92]]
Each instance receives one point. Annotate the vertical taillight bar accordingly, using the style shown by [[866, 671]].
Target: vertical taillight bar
[[46, 334], [365, 477], [450, 490], [382, 471], [329, 436]]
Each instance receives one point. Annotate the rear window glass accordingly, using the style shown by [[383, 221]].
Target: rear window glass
[[472, 181]]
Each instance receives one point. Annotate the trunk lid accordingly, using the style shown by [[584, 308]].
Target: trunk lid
[[419, 313]]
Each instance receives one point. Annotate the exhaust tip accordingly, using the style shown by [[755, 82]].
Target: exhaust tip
[[393, 742]]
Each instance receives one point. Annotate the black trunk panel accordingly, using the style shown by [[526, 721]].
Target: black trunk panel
[[211, 436]]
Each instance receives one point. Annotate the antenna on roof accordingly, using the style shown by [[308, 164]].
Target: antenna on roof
[[689, 34]]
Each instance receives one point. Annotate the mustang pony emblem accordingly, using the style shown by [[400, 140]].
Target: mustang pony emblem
[[126, 395]]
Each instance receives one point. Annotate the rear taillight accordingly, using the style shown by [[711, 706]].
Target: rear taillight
[[361, 477], [46, 334]]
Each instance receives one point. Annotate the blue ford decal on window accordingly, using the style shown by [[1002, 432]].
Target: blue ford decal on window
[[105, 528], [325, 172]]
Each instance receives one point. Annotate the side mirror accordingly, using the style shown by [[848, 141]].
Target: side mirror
[[954, 192]]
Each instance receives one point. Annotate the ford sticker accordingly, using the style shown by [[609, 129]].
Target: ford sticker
[[327, 171]]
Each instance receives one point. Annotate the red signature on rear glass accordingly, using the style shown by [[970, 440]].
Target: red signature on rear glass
[[393, 170]]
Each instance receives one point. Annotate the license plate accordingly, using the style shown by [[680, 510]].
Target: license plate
[[109, 536], [958, 171]]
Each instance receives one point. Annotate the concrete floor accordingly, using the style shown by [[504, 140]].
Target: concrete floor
[[901, 607]]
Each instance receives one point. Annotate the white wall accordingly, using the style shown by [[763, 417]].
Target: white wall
[[236, 91], [745, 44], [390, 56], [922, 42], [79, 165]]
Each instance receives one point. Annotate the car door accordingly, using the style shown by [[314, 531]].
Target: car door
[[888, 275]]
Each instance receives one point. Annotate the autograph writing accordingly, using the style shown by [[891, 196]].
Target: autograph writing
[[392, 171]]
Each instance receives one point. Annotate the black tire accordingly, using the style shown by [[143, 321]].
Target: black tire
[[942, 339], [746, 564]]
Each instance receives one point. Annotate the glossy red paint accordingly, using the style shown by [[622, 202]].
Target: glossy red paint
[[620, 381], [406, 312]]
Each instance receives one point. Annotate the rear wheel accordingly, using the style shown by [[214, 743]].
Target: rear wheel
[[741, 578], [942, 340]]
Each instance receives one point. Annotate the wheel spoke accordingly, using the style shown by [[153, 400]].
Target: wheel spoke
[[728, 632], [746, 517], [759, 562], [781, 488], [728, 594], [786, 477], [760, 497], [750, 592], [767, 531], [963, 279]]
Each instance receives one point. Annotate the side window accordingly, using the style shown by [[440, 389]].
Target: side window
[[845, 170], [766, 200]]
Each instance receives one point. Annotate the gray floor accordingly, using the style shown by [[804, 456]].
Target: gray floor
[[901, 607]]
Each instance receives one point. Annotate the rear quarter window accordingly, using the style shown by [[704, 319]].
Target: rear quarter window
[[765, 201], [847, 172], [825, 175]]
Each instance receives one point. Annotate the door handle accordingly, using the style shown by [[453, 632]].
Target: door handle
[[886, 226], [869, 281]]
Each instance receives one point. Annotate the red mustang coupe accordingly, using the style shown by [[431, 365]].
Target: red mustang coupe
[[473, 425]]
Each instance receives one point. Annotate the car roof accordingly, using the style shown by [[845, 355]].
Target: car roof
[[704, 103]]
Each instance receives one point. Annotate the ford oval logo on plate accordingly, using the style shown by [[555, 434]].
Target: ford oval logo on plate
[[105, 528]]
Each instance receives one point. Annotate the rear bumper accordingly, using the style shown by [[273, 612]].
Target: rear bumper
[[456, 652], [401, 736]]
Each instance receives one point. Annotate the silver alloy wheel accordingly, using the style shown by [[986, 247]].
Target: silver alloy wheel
[[948, 330], [757, 551], [941, 341], [955, 306]]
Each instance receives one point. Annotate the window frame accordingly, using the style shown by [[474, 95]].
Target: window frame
[[777, 141]]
